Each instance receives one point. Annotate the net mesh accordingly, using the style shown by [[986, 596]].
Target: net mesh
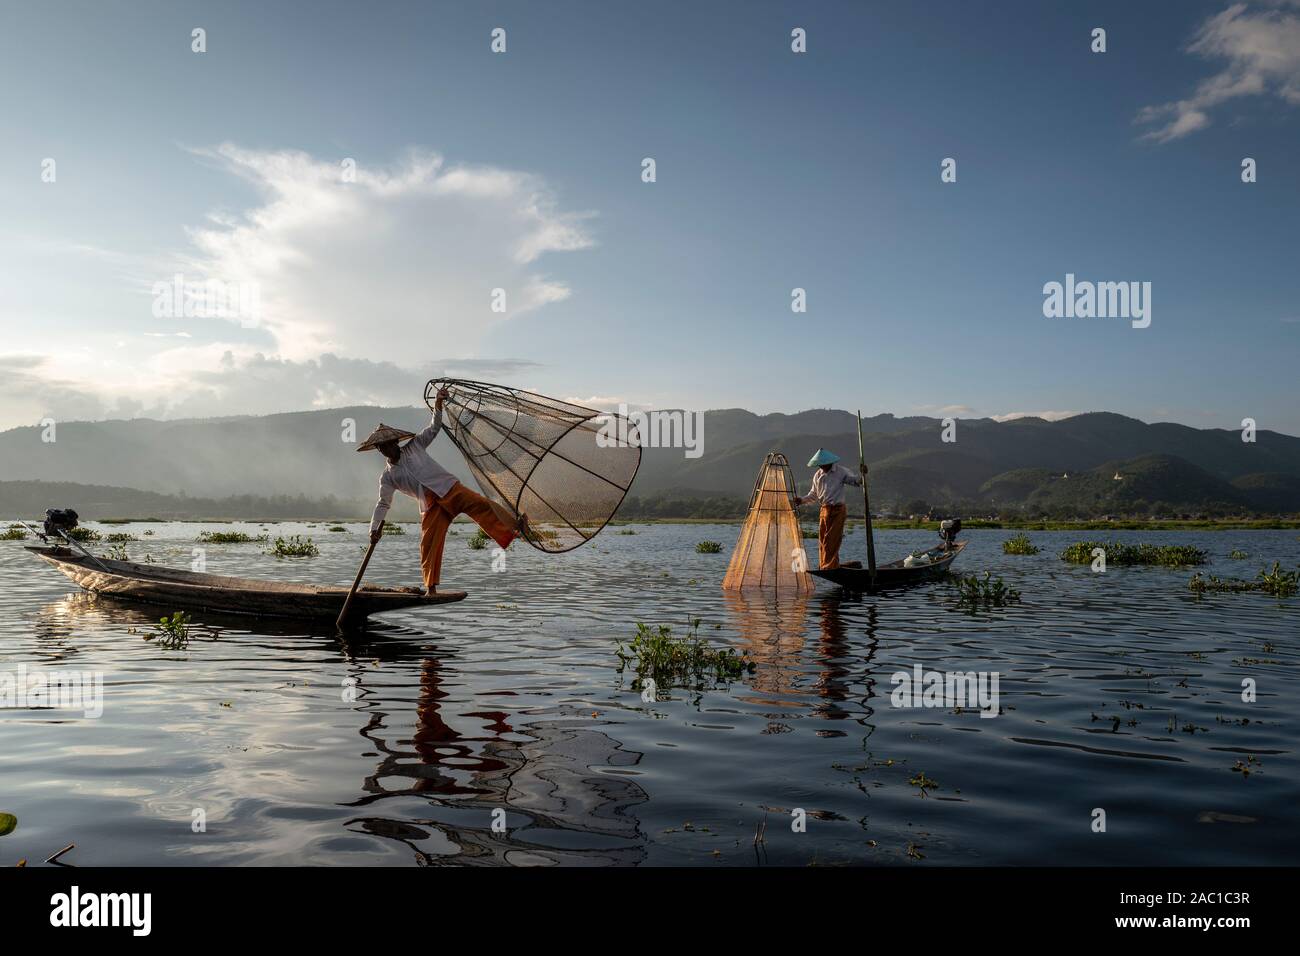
[[769, 554], [566, 467]]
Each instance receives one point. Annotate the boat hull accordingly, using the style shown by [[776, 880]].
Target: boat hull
[[191, 590], [892, 575]]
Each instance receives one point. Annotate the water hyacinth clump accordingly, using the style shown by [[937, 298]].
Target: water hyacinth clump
[[294, 546], [82, 534], [709, 547], [390, 528], [1238, 555], [974, 591], [1020, 544], [1164, 555], [479, 541], [174, 631], [228, 537], [1274, 581], [14, 532], [655, 654]]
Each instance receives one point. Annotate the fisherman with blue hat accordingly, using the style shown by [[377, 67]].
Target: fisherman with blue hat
[[828, 488]]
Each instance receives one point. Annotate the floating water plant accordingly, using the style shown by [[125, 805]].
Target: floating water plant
[[1165, 555], [479, 541], [337, 527], [82, 534], [1276, 582], [390, 528], [13, 533], [1238, 555], [294, 547], [656, 654], [116, 552], [709, 547], [174, 631], [1020, 544], [974, 591], [228, 537], [119, 537]]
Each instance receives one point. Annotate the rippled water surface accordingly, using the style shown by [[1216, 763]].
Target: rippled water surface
[[497, 730]]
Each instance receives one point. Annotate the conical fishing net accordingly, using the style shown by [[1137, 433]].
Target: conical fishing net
[[566, 467], [770, 553]]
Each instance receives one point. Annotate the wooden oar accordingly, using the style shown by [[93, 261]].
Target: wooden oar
[[866, 504], [355, 584]]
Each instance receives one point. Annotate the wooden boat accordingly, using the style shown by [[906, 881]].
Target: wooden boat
[[854, 577], [177, 589]]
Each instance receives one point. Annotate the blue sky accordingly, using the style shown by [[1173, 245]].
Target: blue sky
[[775, 170]]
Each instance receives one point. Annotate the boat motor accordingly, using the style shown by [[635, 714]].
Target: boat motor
[[948, 530], [59, 521]]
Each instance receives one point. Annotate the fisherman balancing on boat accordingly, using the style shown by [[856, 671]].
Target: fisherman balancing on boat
[[412, 471], [828, 483]]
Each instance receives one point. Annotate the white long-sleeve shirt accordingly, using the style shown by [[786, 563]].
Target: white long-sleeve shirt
[[828, 485], [414, 471]]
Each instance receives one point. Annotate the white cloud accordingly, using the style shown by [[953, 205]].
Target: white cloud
[[402, 261], [1262, 50], [1046, 416]]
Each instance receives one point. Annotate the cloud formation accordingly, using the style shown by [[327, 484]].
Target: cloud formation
[[1262, 50]]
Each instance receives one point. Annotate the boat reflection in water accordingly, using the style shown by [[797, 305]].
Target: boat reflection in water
[[809, 653], [562, 788]]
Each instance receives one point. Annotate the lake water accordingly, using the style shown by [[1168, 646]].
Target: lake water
[[498, 731]]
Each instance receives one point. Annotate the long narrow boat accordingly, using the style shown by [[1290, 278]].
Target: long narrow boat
[[174, 588], [895, 574]]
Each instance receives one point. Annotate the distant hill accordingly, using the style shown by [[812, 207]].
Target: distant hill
[[992, 466]]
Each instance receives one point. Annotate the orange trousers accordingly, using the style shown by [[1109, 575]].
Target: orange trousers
[[830, 534], [491, 517]]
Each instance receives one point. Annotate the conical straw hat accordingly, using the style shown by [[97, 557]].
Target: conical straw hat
[[384, 433]]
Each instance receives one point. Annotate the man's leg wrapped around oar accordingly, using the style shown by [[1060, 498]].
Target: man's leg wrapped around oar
[[496, 522]]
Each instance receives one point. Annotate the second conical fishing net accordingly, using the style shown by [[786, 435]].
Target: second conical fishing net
[[770, 553], [565, 466]]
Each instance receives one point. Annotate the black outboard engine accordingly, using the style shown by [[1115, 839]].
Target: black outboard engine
[[948, 530], [59, 519]]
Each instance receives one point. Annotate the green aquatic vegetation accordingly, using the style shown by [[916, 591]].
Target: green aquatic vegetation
[[390, 528], [119, 537], [116, 552], [229, 537], [82, 534], [1238, 555], [1164, 555], [479, 541], [337, 527], [924, 783], [1020, 544], [974, 591], [173, 632], [1275, 581], [656, 654], [13, 533], [709, 547], [294, 546], [627, 531]]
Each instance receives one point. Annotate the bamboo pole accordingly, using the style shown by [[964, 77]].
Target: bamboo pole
[[355, 584], [866, 504]]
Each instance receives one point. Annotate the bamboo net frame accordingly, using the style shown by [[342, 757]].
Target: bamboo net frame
[[770, 554], [549, 459]]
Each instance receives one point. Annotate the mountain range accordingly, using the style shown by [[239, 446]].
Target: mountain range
[[1090, 464]]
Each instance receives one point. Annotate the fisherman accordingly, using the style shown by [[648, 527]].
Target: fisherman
[[411, 471], [828, 483]]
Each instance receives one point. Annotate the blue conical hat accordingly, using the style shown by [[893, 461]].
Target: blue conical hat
[[823, 457]]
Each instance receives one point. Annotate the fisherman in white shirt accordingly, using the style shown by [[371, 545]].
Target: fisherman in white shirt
[[411, 471], [828, 488]]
